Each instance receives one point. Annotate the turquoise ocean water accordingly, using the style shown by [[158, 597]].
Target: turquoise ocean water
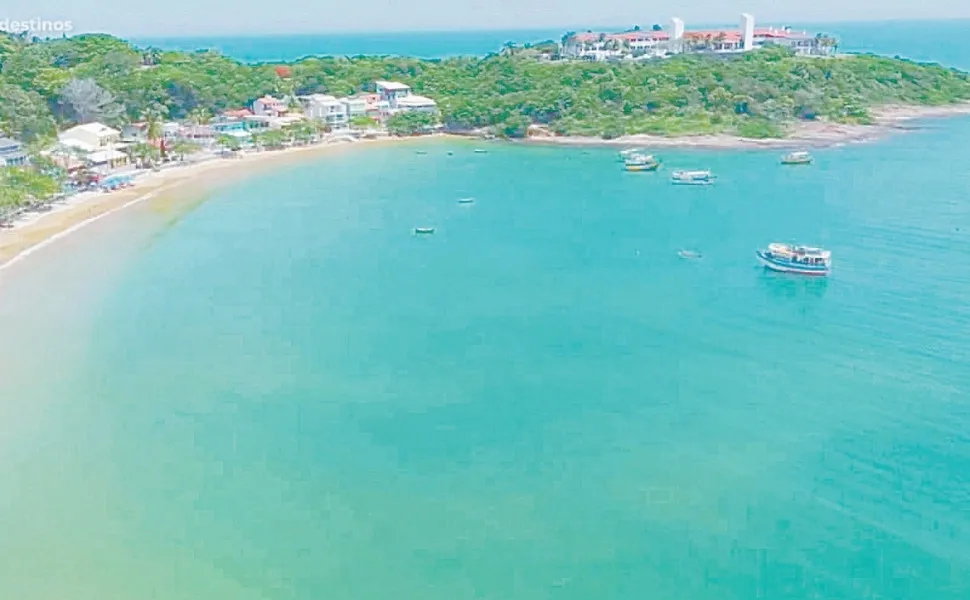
[[283, 394], [942, 41]]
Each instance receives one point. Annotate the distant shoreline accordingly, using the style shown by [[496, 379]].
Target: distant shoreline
[[36, 231], [810, 134]]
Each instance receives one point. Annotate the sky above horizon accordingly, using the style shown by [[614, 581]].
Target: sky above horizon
[[228, 17]]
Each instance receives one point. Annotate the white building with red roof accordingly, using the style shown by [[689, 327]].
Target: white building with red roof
[[658, 43]]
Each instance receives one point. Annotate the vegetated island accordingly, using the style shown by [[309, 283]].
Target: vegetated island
[[767, 96]]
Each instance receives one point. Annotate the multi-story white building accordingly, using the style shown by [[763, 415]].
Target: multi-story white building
[[355, 106], [415, 103], [391, 91], [326, 108], [400, 98]]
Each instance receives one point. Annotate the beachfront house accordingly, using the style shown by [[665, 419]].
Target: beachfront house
[[268, 106], [391, 91], [171, 130], [12, 153], [108, 158], [355, 106], [100, 145], [400, 98], [90, 137], [415, 103], [328, 109]]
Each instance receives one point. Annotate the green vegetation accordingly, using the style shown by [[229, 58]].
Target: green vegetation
[[59, 82], [411, 123], [96, 77]]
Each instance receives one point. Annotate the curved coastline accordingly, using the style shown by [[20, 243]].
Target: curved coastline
[[814, 134], [39, 230]]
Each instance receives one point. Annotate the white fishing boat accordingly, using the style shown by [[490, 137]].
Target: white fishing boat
[[641, 162], [802, 260], [423, 230], [693, 177], [797, 158]]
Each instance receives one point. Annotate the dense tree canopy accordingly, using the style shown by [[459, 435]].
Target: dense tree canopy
[[755, 94]]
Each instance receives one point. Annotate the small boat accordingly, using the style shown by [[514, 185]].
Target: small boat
[[480, 151], [641, 162], [689, 254], [420, 152], [450, 153], [423, 230], [693, 177], [466, 200], [797, 158], [803, 260]]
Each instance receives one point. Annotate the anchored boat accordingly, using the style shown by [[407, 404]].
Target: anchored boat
[[802, 260], [693, 177], [797, 158], [466, 200], [423, 230], [641, 162]]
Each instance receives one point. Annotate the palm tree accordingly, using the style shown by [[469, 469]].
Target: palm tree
[[154, 132], [199, 115]]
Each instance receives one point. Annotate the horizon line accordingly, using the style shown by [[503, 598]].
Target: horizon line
[[563, 28]]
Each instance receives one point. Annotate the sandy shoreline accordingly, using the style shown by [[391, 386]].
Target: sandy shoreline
[[814, 134], [34, 231], [37, 230]]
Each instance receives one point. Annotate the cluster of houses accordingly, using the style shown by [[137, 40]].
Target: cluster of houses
[[658, 42], [99, 148]]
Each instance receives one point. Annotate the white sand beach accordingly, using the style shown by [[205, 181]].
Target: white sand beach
[[35, 230]]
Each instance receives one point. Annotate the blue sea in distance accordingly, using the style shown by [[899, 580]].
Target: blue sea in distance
[[282, 393], [938, 41]]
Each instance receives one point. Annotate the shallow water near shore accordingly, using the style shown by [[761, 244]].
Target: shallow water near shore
[[285, 394]]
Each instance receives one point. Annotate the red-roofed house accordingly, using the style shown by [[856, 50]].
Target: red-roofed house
[[646, 44], [605, 46], [240, 113]]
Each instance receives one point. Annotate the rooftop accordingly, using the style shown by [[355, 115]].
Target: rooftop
[[415, 100], [95, 128], [6, 142], [392, 85]]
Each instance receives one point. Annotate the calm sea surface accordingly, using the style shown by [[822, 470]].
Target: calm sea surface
[[940, 41], [283, 394]]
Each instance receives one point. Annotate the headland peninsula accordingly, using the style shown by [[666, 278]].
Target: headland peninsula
[[93, 113]]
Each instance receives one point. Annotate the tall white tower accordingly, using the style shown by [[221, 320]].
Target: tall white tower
[[676, 29], [747, 31], [676, 42]]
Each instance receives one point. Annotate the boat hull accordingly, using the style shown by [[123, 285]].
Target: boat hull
[[789, 267], [796, 162], [641, 168], [695, 182]]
